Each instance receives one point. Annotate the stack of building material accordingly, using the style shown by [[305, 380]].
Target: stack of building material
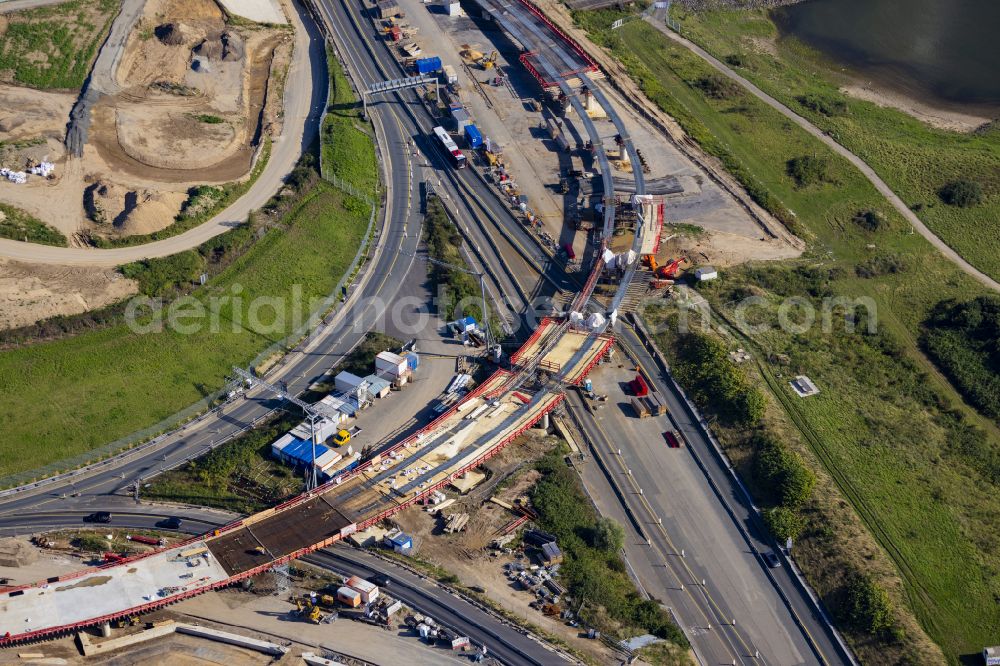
[[456, 522]]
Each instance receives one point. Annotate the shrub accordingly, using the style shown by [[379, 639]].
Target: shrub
[[828, 106], [961, 338], [884, 263], [784, 523], [718, 86], [808, 170], [870, 220], [608, 535], [736, 60], [962, 193], [209, 119], [716, 383], [791, 482], [867, 605], [92, 542]]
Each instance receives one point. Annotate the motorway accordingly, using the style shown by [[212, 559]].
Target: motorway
[[505, 642], [504, 248], [706, 513]]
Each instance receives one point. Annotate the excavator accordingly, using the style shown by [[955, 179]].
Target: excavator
[[490, 61], [664, 275]]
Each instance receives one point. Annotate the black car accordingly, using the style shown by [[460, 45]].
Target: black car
[[173, 523], [99, 517], [771, 559], [381, 580]]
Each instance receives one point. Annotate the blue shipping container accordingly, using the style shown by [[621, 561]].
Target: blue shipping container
[[428, 65], [473, 136], [412, 360]]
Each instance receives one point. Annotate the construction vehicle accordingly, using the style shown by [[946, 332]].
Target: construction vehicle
[[343, 437], [490, 61], [308, 611]]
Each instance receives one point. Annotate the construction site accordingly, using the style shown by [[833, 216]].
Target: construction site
[[593, 180]]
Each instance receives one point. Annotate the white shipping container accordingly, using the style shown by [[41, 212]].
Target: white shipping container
[[345, 382], [449, 74], [394, 364], [279, 444]]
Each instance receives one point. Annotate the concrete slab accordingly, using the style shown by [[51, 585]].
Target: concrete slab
[[260, 11], [106, 591]]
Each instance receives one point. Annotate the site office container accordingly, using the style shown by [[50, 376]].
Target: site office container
[[428, 65], [367, 590], [349, 597], [345, 382], [394, 364], [412, 360], [449, 75], [473, 136]]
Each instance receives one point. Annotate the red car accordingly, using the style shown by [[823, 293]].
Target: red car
[[673, 438]]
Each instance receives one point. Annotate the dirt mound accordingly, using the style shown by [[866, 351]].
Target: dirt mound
[[121, 211], [172, 34], [226, 46]]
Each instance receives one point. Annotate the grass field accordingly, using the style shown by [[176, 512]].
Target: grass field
[[881, 424], [348, 150], [53, 47], [20, 225], [68, 396], [915, 159]]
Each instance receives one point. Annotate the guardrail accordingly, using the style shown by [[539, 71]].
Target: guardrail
[[716, 448]]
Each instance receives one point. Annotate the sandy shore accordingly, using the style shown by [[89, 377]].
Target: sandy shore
[[948, 119]]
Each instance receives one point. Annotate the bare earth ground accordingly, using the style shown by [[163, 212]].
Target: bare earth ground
[[31, 292], [464, 554], [145, 142]]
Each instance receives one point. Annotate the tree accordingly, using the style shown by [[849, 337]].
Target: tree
[[870, 220], [868, 607], [962, 193], [608, 535], [808, 170], [783, 523]]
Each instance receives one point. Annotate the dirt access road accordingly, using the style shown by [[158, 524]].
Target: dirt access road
[[862, 166], [304, 100]]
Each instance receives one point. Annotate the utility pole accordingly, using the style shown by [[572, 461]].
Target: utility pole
[[311, 412]]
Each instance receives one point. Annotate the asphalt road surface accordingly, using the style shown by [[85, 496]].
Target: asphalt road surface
[[504, 641]]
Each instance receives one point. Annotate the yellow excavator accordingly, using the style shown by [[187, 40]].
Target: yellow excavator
[[490, 61], [307, 611]]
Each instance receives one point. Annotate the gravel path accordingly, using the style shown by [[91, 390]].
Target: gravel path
[[862, 166]]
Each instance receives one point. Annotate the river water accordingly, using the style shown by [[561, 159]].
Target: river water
[[938, 50]]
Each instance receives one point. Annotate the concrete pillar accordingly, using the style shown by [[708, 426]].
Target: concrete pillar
[[106, 630], [544, 423]]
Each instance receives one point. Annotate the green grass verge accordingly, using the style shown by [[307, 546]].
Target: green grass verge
[[241, 475], [203, 203], [348, 150], [54, 46], [21, 225], [593, 569], [915, 159], [113, 382], [881, 425]]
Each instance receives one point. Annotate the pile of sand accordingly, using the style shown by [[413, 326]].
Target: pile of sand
[[16, 553], [121, 211], [226, 46]]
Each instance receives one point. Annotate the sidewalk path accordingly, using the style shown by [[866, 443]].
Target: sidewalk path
[[869, 173]]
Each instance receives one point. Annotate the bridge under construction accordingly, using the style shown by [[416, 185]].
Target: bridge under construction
[[558, 354]]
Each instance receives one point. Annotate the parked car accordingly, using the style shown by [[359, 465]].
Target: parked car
[[771, 559], [98, 517]]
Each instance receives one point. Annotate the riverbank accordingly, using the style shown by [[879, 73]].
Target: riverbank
[[915, 159]]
